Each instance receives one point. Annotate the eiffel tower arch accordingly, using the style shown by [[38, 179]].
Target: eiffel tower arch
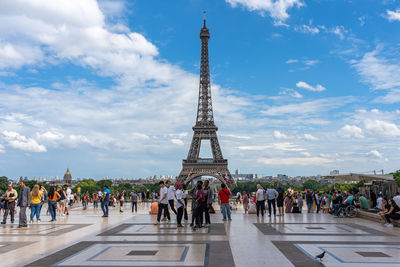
[[205, 129]]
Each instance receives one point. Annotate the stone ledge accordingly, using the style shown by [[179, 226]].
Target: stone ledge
[[375, 217]]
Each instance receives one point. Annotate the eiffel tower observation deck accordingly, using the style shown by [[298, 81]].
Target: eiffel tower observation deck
[[205, 129]]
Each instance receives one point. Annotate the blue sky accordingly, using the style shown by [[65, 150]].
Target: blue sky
[[109, 88]]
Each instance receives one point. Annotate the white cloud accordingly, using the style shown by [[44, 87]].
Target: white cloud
[[307, 29], [21, 142], [306, 154], [317, 88], [178, 142], [279, 135], [310, 62], [291, 61], [309, 137], [309, 107], [339, 31], [279, 146], [296, 161], [393, 15], [378, 71], [2, 149], [140, 136], [291, 92], [351, 131], [381, 128], [245, 137], [375, 153], [277, 9]]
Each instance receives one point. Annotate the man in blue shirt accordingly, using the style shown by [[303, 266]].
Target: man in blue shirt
[[105, 200], [349, 200]]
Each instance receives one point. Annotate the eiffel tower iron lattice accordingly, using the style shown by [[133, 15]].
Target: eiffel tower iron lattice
[[205, 129]]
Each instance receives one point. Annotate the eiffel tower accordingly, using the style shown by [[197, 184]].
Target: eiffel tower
[[205, 129]]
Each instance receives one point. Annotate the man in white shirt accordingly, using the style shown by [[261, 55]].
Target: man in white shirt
[[271, 194], [68, 193], [163, 203], [171, 196], [180, 204], [379, 202], [260, 200], [396, 199]]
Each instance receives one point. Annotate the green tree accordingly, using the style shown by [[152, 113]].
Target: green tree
[[312, 185], [3, 183], [102, 183], [396, 176]]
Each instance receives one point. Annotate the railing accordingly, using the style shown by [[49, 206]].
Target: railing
[[205, 161]]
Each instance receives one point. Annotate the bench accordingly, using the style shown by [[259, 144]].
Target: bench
[[375, 217]]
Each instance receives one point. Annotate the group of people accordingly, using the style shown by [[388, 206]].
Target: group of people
[[202, 197], [58, 199], [389, 209]]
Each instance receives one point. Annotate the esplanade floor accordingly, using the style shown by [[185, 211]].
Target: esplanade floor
[[85, 239]]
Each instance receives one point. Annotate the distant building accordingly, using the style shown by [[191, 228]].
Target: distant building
[[68, 177], [237, 172], [334, 172]]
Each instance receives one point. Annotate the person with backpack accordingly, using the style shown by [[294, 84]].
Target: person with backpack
[[260, 200], [223, 201]]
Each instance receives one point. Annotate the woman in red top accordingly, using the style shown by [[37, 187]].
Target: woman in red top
[[223, 200]]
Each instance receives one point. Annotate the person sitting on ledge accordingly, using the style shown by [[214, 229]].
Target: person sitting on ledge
[[392, 213]]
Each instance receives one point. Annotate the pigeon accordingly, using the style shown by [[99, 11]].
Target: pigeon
[[320, 256]]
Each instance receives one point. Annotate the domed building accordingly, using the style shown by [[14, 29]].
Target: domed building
[[67, 177]]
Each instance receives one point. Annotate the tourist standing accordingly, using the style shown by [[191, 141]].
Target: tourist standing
[[163, 203], [288, 202], [62, 201], [53, 197], [105, 200], [179, 204], [260, 200], [299, 198], [121, 201], [200, 199], [185, 197], [95, 200], [194, 203], [85, 200], [67, 192], [245, 202], [43, 199], [309, 201], [208, 194], [36, 203], [272, 194], [280, 199], [24, 200], [379, 202], [134, 200], [223, 201], [171, 196], [317, 200], [9, 205], [373, 198]]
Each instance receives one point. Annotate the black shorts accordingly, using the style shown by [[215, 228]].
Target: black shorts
[[279, 202]]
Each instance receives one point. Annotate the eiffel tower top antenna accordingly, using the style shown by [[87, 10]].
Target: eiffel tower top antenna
[[204, 19]]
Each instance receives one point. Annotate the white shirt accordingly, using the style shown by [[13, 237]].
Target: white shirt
[[171, 192], [397, 200], [179, 196], [68, 193], [163, 192], [260, 195], [379, 203], [185, 193]]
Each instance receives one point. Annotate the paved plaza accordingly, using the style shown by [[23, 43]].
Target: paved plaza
[[85, 239]]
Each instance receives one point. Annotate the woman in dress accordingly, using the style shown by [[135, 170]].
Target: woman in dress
[[245, 202], [288, 203]]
